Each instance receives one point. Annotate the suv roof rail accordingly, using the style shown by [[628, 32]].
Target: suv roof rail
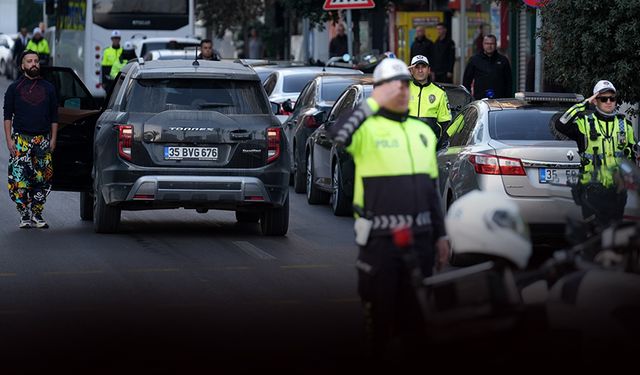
[[558, 97]]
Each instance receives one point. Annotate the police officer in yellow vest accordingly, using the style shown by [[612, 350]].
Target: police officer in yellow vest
[[39, 45], [428, 101], [604, 139], [109, 56], [395, 187], [128, 53]]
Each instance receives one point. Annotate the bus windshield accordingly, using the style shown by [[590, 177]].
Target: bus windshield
[[140, 7]]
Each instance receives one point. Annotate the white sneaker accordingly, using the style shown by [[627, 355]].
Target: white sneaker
[[38, 221], [25, 222]]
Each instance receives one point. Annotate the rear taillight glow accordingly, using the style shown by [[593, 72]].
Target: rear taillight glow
[[498, 165], [125, 140], [273, 144]]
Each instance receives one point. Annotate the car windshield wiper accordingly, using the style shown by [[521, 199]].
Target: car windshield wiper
[[213, 105]]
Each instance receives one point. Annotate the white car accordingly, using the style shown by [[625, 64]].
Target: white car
[[7, 67], [145, 45], [283, 86]]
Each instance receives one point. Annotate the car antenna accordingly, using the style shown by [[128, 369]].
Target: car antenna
[[195, 62]]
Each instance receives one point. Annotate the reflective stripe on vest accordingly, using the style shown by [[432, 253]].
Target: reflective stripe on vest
[[401, 221]]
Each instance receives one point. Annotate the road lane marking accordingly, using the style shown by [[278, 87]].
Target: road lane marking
[[252, 250], [305, 266], [151, 270], [70, 273], [229, 268], [7, 274]]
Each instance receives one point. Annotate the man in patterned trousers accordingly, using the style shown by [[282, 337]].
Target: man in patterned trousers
[[30, 127]]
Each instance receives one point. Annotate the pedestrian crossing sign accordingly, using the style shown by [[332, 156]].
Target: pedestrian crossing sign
[[348, 4]]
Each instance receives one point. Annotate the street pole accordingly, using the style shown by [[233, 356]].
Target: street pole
[[463, 36], [538, 71], [349, 35]]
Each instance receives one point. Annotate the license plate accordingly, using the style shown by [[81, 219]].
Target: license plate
[[194, 153], [558, 176]]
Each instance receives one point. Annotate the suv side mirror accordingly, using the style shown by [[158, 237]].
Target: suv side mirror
[[287, 105]]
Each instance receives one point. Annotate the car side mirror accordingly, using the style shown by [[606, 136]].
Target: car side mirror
[[320, 117], [287, 105], [274, 108]]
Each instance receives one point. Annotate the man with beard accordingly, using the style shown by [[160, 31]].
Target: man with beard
[[30, 128]]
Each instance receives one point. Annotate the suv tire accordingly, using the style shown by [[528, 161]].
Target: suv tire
[[247, 217], [275, 221], [86, 205], [105, 218], [340, 205]]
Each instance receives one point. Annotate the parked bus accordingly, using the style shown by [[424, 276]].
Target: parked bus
[[83, 29]]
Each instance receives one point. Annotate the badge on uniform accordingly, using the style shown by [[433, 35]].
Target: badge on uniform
[[432, 98]]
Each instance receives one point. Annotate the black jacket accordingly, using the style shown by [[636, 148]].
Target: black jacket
[[422, 46], [488, 73], [338, 46], [443, 56], [18, 48]]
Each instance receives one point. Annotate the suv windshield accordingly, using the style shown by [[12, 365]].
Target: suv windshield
[[229, 97], [524, 124]]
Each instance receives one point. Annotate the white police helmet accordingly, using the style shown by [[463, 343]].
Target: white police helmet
[[115, 34], [128, 46], [390, 69], [483, 223]]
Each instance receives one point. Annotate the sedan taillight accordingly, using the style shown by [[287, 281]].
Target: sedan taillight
[[273, 144], [499, 165], [125, 140]]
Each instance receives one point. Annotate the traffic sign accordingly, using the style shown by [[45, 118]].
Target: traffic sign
[[348, 4], [536, 3]]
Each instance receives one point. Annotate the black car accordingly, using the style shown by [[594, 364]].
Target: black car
[[172, 135], [330, 169], [311, 110]]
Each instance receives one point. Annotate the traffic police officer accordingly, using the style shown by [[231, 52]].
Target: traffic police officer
[[395, 187], [128, 53], [109, 57], [604, 139], [39, 45], [428, 101]]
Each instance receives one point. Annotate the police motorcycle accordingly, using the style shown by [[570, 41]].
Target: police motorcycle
[[582, 305]]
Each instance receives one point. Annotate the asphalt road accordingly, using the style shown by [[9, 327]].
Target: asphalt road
[[177, 290]]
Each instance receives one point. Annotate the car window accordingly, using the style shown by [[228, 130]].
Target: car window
[[532, 124], [330, 91], [469, 116], [69, 89], [270, 84], [458, 98], [295, 83], [229, 97], [114, 92], [346, 103], [305, 99]]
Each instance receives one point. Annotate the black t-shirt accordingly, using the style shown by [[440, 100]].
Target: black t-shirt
[[32, 105]]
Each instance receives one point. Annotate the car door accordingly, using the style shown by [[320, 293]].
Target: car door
[[292, 123], [448, 158], [322, 151], [77, 115]]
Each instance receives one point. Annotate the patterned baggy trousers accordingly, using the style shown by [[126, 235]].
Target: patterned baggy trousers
[[30, 172]]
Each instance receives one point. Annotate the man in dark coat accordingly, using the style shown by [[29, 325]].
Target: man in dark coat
[[488, 74], [444, 56], [339, 45], [19, 46], [421, 44]]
